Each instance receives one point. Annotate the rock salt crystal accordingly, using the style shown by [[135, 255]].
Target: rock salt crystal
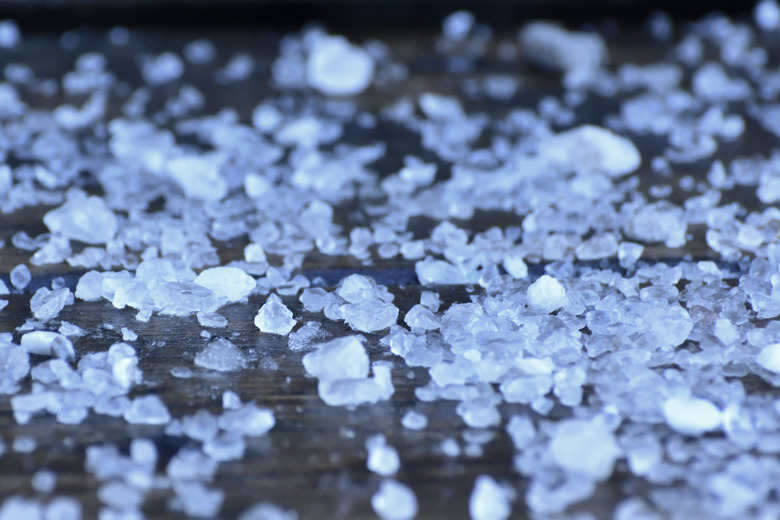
[[586, 448], [382, 458], [229, 284], [274, 317], [394, 501], [546, 294], [82, 218], [692, 415], [490, 500], [337, 68]]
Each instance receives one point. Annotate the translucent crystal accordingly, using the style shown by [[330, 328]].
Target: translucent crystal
[[337, 68], [394, 501], [221, 355], [692, 415], [274, 317]]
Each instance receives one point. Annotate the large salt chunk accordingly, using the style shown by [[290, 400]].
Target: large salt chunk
[[274, 317], [769, 358], [337, 68], [658, 222], [692, 415], [394, 501], [221, 355], [546, 294], [578, 54], [590, 149], [342, 358], [46, 304], [200, 175], [490, 500], [369, 316], [148, 409], [86, 219], [586, 448], [671, 325], [230, 284]]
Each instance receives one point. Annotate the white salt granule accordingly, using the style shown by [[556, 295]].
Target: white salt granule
[[586, 448], [450, 447], [16, 508], [229, 284], [197, 500], [230, 400], [337, 68], [601, 245], [266, 118], [628, 253], [515, 266], [382, 458], [63, 508], [413, 420], [199, 52], [421, 318], [247, 420], [266, 511], [162, 69], [199, 176], [128, 335], [342, 358], [45, 343], [148, 409], [769, 358], [211, 319], [394, 501], [692, 415], [490, 500], [367, 316], [546, 294], [221, 355], [303, 337], [10, 36], [82, 218], [20, 276], [24, 444], [578, 54], [274, 317], [46, 304], [591, 149], [226, 446], [767, 15], [44, 481]]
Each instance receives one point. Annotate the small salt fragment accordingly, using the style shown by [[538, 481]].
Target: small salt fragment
[[46, 304], [515, 266], [314, 299], [692, 415], [181, 372], [199, 52], [602, 245], [200, 176], [44, 481], [82, 218], [128, 335], [197, 500], [266, 118], [17, 508], [490, 500], [335, 67], [10, 36], [63, 508], [254, 253], [394, 501], [382, 458], [247, 420], [546, 294], [367, 316], [628, 253], [211, 319], [585, 448], [274, 317], [769, 358], [148, 409], [45, 343], [226, 446], [221, 355], [430, 299], [767, 15], [162, 69], [266, 511], [450, 447], [230, 284], [414, 420], [20, 276], [69, 329], [302, 338], [24, 444], [421, 318], [578, 54], [230, 400], [90, 286]]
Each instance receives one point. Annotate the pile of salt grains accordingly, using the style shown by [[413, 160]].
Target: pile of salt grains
[[660, 349]]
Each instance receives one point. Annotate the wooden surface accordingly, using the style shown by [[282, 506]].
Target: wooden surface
[[313, 461]]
